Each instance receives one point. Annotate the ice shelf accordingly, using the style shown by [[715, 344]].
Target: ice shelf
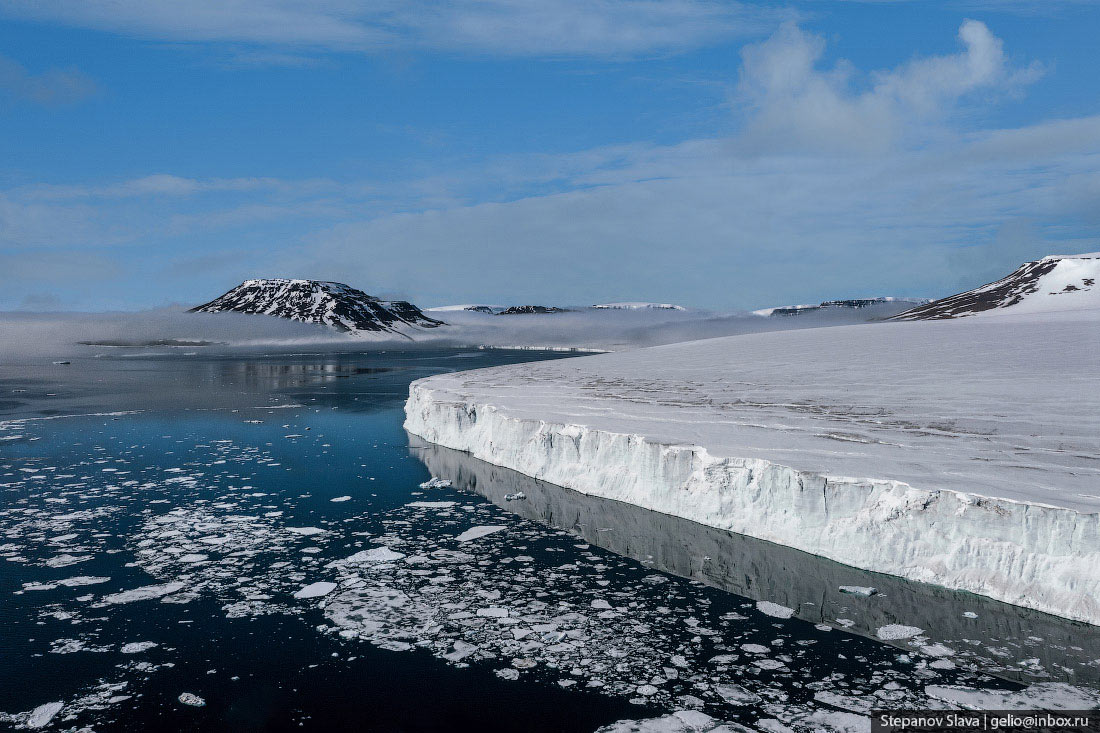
[[962, 453]]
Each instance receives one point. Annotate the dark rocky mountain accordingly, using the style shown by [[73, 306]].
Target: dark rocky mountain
[[883, 307], [314, 301], [1054, 283], [528, 309]]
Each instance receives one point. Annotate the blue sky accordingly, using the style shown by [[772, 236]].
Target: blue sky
[[719, 154]]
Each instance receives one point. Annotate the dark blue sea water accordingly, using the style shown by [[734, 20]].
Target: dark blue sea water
[[249, 532]]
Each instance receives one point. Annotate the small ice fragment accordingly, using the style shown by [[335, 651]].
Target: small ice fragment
[[492, 612], [191, 699], [436, 483], [431, 504], [736, 694], [341, 498], [774, 609], [859, 590], [518, 496], [136, 647], [474, 533], [305, 531], [43, 714], [372, 556], [82, 580], [893, 632], [144, 593], [316, 590], [970, 614]]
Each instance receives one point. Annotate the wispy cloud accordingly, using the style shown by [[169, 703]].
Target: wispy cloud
[[50, 87], [506, 27]]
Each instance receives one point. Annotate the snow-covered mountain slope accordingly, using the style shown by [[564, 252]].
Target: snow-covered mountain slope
[[882, 307], [1054, 283], [633, 306], [315, 301], [887, 447]]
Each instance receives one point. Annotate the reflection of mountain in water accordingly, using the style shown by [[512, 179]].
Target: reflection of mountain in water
[[1004, 640]]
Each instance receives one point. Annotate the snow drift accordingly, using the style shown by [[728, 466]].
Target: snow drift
[[961, 453]]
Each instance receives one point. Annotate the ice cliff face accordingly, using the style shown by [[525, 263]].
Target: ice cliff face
[[1054, 283], [1030, 555], [313, 301]]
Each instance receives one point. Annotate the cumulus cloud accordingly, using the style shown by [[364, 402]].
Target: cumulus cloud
[[508, 27], [53, 87], [792, 103]]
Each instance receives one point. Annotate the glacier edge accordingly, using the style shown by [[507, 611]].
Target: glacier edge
[[1026, 554]]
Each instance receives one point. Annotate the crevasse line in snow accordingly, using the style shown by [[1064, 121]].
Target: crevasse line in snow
[[1031, 555]]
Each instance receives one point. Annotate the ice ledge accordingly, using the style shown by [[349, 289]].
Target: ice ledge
[[1031, 555]]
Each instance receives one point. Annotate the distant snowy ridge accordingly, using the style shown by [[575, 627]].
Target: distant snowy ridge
[[633, 306], [474, 307], [852, 303], [316, 301], [1054, 283], [829, 441], [523, 310]]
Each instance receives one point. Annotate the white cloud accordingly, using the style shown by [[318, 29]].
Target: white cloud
[[509, 27], [51, 87], [791, 103]]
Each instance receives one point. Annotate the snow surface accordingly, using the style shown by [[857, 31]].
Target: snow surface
[[962, 453]]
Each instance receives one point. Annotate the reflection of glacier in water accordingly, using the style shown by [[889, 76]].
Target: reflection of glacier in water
[[975, 632]]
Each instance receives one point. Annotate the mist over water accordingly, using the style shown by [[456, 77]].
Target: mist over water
[[27, 337]]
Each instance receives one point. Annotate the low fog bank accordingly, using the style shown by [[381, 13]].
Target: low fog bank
[[626, 329], [29, 335], [175, 331]]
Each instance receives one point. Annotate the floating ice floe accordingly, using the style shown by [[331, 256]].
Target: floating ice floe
[[681, 721], [894, 632], [1040, 696], [340, 499], [144, 593], [41, 716], [774, 609], [474, 533], [316, 590], [859, 590], [372, 556], [189, 698], [305, 531], [436, 483], [82, 580], [136, 647]]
